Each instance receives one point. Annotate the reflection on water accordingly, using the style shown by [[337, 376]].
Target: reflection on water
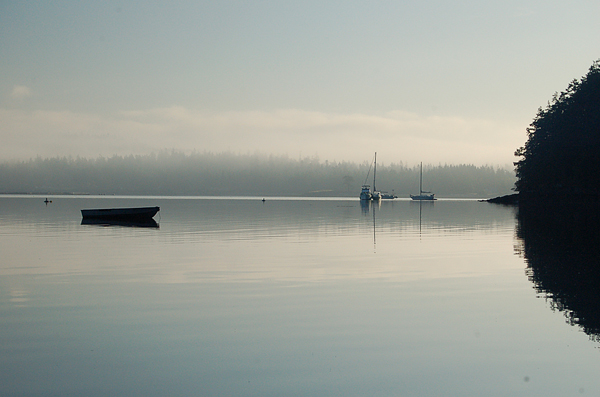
[[284, 297], [422, 203], [561, 245]]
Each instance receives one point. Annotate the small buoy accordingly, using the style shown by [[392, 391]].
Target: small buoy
[[263, 200], [46, 201]]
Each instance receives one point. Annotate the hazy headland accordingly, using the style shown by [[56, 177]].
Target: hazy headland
[[176, 173]]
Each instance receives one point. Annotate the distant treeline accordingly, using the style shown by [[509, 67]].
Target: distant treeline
[[226, 174]]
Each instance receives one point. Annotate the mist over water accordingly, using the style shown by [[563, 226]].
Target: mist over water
[[226, 174]]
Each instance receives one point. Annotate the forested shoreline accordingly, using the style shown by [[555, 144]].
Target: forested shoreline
[[228, 174], [560, 159]]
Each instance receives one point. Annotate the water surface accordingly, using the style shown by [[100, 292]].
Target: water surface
[[239, 297]]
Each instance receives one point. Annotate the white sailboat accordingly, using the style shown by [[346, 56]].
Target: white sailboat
[[422, 194], [366, 193], [375, 195]]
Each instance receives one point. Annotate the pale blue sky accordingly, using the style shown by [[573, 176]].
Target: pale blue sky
[[437, 81]]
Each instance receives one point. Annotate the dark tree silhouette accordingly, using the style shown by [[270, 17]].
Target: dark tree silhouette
[[561, 157], [560, 246]]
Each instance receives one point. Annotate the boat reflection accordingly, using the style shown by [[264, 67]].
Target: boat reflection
[[366, 205], [560, 244], [149, 223], [427, 203]]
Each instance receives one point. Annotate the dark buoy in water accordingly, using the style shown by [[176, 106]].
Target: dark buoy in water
[[47, 201], [263, 200]]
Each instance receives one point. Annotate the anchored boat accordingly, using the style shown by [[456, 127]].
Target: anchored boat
[[366, 193], [422, 194], [125, 214]]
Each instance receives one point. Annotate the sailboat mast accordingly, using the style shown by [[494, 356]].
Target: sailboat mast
[[375, 172], [421, 180]]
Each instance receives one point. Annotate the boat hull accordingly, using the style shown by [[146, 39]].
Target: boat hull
[[423, 197], [148, 223], [125, 214]]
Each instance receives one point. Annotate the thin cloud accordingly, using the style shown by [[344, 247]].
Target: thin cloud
[[398, 136], [20, 92]]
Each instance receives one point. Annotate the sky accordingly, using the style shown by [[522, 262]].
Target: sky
[[442, 82]]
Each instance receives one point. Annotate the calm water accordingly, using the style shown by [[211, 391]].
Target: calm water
[[236, 297]]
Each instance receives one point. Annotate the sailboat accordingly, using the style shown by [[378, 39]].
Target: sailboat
[[422, 194], [375, 195], [366, 193]]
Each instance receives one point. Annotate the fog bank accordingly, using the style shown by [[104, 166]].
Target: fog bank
[[175, 173]]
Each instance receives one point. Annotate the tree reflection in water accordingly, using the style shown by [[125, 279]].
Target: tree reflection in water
[[560, 242]]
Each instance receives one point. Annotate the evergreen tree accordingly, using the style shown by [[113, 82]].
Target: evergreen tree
[[562, 154]]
